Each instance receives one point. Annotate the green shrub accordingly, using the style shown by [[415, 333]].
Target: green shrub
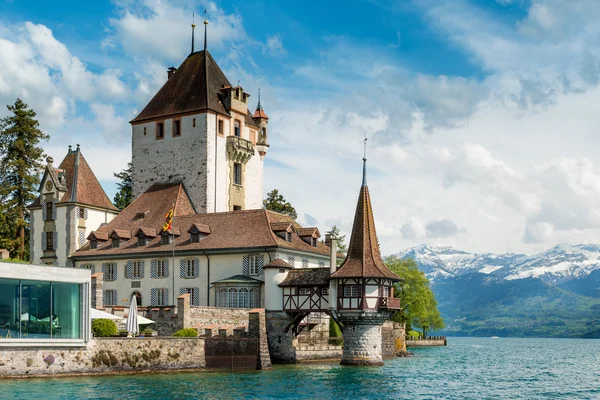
[[103, 328], [414, 335], [186, 332], [335, 331]]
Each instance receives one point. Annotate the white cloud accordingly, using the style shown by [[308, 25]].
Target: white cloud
[[274, 45]]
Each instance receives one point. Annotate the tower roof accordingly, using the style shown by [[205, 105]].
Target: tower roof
[[195, 86], [259, 113], [364, 259], [82, 186]]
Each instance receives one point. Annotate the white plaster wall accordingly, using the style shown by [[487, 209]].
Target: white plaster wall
[[63, 236], [253, 182], [95, 219], [274, 293], [221, 267], [35, 236], [220, 167], [172, 159], [313, 259]]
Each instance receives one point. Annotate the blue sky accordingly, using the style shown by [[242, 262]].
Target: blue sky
[[481, 115]]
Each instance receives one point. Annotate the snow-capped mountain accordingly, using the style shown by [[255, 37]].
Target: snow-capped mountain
[[556, 265]]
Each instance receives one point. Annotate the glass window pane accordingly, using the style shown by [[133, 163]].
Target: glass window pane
[[9, 308], [66, 302], [35, 310]]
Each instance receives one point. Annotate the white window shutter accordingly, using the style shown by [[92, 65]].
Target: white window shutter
[[182, 268], [129, 269], [54, 210], [85, 213], [44, 244], [55, 238], [166, 296], [76, 212], [166, 268], [153, 297], [154, 269], [142, 267], [260, 261], [196, 267], [246, 265]]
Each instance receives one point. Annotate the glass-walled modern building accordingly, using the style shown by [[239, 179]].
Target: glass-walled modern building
[[43, 305]]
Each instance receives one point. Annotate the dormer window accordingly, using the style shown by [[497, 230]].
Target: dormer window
[[198, 232], [142, 240], [166, 238], [93, 244], [116, 242], [314, 242], [288, 236], [194, 237]]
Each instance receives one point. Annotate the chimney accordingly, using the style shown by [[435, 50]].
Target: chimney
[[332, 242], [170, 72]]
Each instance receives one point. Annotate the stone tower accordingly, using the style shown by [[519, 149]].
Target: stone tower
[[198, 130], [71, 204], [363, 289]]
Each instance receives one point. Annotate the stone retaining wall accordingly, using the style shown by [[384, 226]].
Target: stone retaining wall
[[393, 339], [105, 355], [426, 342]]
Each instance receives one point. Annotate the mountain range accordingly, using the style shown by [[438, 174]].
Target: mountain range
[[555, 293]]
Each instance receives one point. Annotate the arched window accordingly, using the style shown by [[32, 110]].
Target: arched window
[[243, 298], [222, 298], [254, 298], [233, 298]]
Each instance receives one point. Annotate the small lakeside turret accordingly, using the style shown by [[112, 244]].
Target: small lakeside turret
[[364, 288]]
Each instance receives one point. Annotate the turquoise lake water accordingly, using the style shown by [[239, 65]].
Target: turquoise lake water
[[468, 368]]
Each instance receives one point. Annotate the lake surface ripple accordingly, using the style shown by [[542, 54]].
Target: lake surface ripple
[[468, 368]]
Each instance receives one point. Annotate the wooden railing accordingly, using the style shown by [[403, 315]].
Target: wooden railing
[[389, 303]]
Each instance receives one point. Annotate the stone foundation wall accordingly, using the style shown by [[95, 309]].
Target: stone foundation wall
[[426, 342], [224, 318], [281, 344], [362, 337], [105, 355], [393, 339], [318, 352]]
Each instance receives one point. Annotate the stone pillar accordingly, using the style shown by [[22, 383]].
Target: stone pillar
[[257, 327], [281, 343], [183, 311], [362, 337], [96, 288]]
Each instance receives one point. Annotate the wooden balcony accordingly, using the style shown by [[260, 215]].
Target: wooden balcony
[[389, 303]]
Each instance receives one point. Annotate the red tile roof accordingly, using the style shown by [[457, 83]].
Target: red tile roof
[[227, 230], [81, 183]]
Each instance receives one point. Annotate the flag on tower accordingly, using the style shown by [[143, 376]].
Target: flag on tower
[[168, 220]]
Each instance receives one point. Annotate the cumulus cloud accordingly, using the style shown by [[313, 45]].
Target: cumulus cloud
[[417, 229]]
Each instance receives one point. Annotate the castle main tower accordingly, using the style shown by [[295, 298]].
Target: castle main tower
[[198, 130], [364, 288]]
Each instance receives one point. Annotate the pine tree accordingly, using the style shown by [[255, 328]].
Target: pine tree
[[20, 170], [276, 202], [341, 239], [125, 194]]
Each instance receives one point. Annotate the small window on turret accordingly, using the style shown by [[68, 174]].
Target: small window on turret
[[220, 127], [236, 130], [160, 130]]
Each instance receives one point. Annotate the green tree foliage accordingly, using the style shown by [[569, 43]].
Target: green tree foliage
[[186, 332], [103, 328], [125, 194], [342, 246], [276, 202], [419, 307], [20, 170]]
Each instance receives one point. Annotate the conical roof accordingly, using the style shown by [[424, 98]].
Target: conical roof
[[364, 259], [194, 86]]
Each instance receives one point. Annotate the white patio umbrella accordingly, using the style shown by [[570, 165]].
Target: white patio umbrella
[[97, 314], [132, 319]]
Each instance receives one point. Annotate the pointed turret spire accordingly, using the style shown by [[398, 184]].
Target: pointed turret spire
[[205, 29], [363, 258], [364, 181], [193, 30], [259, 113]]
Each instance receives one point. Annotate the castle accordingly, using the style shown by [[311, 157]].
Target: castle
[[197, 150]]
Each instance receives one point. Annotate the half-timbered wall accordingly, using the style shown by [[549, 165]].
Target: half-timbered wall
[[305, 298]]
